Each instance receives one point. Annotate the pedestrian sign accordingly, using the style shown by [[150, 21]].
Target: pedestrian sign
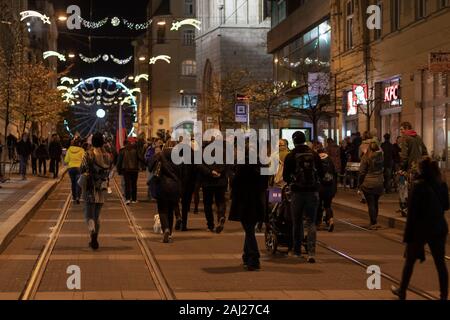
[[241, 111]]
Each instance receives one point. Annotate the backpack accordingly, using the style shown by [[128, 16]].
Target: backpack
[[305, 171], [328, 178], [99, 175]]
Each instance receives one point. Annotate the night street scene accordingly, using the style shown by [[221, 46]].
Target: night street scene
[[234, 157]]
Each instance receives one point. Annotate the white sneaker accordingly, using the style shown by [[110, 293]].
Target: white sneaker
[[91, 226], [128, 202]]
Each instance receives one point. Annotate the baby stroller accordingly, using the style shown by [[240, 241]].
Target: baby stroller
[[278, 224]]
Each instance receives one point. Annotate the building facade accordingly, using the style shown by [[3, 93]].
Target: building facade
[[300, 42], [233, 37], [391, 65], [169, 100]]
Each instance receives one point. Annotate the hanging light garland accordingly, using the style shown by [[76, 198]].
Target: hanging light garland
[[187, 22], [30, 14], [161, 57], [140, 77], [137, 26], [48, 54], [89, 60], [111, 93], [94, 25], [67, 79], [121, 62]]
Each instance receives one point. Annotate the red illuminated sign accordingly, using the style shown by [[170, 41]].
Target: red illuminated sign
[[391, 93]]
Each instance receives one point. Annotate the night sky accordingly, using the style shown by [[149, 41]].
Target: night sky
[[105, 40]]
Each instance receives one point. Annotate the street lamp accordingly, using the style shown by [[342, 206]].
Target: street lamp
[[71, 55], [142, 58], [62, 18]]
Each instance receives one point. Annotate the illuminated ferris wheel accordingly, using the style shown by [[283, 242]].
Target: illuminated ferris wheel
[[95, 105]]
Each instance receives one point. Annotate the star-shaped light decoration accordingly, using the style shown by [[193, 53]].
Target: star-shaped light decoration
[[30, 14], [191, 22], [165, 58]]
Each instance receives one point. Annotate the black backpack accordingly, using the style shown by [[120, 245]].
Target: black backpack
[[328, 171], [99, 174], [305, 171]]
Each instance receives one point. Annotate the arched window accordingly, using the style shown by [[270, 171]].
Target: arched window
[[189, 68]]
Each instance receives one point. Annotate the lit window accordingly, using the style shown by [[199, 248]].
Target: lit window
[[189, 68], [188, 101]]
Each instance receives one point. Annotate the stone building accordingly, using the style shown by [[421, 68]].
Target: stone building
[[391, 63], [233, 37]]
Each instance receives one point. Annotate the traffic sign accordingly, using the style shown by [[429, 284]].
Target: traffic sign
[[241, 111]]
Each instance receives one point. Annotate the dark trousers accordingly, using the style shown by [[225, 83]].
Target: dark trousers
[[186, 200], [251, 250], [131, 178], [34, 165], [413, 251], [74, 174], [372, 203], [211, 194], [54, 167], [23, 161], [325, 201], [166, 209], [43, 163], [387, 179], [304, 205]]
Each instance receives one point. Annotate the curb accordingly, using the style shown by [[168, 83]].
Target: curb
[[391, 222], [19, 220]]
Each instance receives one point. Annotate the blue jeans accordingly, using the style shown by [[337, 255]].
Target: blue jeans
[[304, 205], [92, 212], [23, 165], [74, 174]]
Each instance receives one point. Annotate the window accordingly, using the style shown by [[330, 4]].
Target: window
[[278, 12], [421, 9], [443, 3], [378, 32], [188, 101], [189, 8], [188, 37], [349, 10], [161, 34], [189, 68], [395, 15]]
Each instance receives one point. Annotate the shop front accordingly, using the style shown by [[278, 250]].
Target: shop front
[[390, 106]]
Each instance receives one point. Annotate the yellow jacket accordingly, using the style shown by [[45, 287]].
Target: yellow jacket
[[74, 157]]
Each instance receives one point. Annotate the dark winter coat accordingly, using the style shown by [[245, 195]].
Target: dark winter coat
[[412, 149], [290, 166], [55, 150], [169, 181], [248, 194], [128, 160], [426, 212], [388, 153], [372, 173], [328, 187], [42, 151], [24, 148]]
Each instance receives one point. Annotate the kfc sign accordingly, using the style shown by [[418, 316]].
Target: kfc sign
[[391, 93]]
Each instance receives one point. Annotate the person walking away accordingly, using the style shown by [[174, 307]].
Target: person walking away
[[328, 189], [73, 159], [388, 153], [34, 160], [214, 179], [334, 153], [426, 224], [303, 172], [55, 153], [371, 181], [248, 192], [396, 150], [11, 142], [95, 166], [168, 185], [128, 166], [42, 156], [24, 150], [189, 177]]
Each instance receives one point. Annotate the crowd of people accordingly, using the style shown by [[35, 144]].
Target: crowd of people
[[309, 174]]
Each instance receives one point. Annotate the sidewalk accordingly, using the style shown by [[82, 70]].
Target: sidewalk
[[348, 199], [18, 201]]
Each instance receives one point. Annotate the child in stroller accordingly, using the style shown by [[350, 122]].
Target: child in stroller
[[278, 231]]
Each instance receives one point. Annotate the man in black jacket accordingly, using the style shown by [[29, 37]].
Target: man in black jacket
[[55, 153], [24, 149], [303, 171]]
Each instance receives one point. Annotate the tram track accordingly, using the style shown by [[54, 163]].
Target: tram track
[[36, 275]]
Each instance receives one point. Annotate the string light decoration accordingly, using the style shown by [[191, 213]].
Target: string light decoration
[[115, 22], [34, 14], [89, 60], [187, 22], [67, 79], [165, 58], [111, 93], [137, 26], [64, 88], [94, 25], [121, 61], [140, 77], [135, 90], [48, 54]]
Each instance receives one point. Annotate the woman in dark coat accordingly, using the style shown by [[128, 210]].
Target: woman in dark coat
[[372, 181], [247, 206], [168, 193], [426, 224]]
